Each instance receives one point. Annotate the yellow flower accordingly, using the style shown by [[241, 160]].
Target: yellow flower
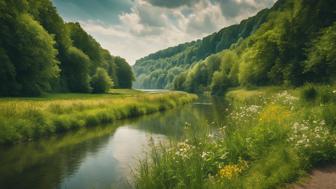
[[232, 170], [274, 113], [229, 171]]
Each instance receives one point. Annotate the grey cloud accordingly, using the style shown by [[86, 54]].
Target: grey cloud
[[150, 16], [205, 26], [232, 8], [172, 3]]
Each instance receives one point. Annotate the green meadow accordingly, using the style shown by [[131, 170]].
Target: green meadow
[[24, 119]]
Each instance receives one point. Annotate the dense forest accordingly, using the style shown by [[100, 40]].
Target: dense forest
[[290, 44], [41, 53]]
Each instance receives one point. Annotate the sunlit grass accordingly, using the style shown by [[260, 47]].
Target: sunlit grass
[[29, 118]]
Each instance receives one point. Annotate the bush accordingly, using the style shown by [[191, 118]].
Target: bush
[[309, 93], [101, 82]]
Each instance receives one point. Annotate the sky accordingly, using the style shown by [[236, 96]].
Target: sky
[[133, 29]]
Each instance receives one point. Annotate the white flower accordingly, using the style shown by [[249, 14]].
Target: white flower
[[204, 155]]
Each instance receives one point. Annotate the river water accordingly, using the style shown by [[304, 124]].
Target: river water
[[102, 157]]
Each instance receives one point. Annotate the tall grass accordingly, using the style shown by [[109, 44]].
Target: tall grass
[[27, 119], [271, 138]]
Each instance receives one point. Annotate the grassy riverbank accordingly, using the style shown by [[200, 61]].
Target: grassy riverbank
[[23, 119], [272, 137]]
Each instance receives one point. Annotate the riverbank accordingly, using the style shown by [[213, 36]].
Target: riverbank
[[321, 178], [23, 119], [272, 137]]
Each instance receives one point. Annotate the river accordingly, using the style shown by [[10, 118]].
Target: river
[[103, 157]]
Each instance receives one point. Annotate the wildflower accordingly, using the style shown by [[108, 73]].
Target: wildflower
[[229, 171], [205, 155], [274, 113], [233, 170]]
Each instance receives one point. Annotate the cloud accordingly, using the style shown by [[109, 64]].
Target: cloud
[[206, 18], [234, 8], [135, 28], [172, 3]]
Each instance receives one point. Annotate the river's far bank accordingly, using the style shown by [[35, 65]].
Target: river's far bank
[[24, 119]]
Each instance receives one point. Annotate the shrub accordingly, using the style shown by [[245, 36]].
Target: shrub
[[309, 93], [101, 82]]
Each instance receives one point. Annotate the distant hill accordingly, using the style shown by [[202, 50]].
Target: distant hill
[[157, 70], [289, 44]]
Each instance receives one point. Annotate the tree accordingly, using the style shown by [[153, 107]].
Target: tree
[[76, 71], [321, 61], [35, 58], [220, 83], [88, 45], [46, 14], [8, 84], [101, 82], [227, 74], [124, 73]]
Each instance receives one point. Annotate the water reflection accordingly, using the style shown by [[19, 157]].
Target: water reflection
[[99, 157]]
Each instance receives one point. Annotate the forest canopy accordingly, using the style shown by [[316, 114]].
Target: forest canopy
[[41, 53]]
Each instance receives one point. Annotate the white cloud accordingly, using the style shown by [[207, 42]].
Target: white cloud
[[148, 28]]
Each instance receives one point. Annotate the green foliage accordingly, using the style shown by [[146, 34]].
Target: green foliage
[[76, 71], [101, 81], [321, 61], [309, 93], [124, 73], [41, 53], [87, 44], [36, 62], [7, 75], [318, 94]]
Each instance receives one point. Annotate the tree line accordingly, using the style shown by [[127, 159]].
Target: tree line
[[296, 45], [41, 53]]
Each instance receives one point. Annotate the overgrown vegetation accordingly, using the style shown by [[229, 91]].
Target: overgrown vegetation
[[271, 138], [41, 53], [30, 118]]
